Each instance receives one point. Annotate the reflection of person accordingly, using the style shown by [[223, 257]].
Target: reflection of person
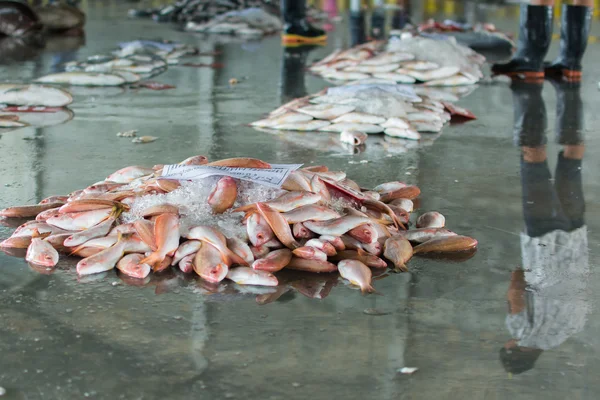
[[296, 28], [535, 33], [293, 65], [547, 302]]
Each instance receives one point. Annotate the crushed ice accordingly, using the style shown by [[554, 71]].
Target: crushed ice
[[191, 198]]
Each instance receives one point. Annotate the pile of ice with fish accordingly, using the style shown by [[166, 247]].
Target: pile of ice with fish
[[241, 219], [359, 109], [407, 60]]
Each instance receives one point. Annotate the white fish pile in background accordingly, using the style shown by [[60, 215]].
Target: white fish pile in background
[[223, 228], [411, 60], [248, 23], [361, 108], [132, 62]]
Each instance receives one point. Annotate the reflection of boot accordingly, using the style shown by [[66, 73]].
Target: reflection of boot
[[574, 31], [292, 72], [569, 112], [570, 190], [378, 24], [296, 29], [400, 19], [357, 28], [530, 120], [534, 39]]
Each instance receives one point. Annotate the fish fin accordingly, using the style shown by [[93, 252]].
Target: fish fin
[[361, 252], [235, 259], [35, 233], [248, 209]]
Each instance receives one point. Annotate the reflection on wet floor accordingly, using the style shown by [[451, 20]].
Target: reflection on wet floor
[[504, 181]]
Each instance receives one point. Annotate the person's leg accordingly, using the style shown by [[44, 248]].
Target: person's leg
[[535, 33], [574, 30], [296, 28], [293, 66]]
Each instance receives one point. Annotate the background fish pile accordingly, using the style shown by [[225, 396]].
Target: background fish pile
[[40, 105], [407, 60], [365, 107], [221, 228]]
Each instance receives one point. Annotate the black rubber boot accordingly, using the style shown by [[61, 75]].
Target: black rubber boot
[[358, 34], [535, 33], [296, 29], [378, 24], [574, 30], [293, 65], [530, 119], [569, 112]]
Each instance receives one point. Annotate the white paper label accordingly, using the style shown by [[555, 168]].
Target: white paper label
[[273, 177]]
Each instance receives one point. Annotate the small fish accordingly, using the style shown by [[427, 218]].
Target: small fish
[[335, 241], [83, 79], [55, 199], [432, 219], [427, 127], [424, 116], [344, 75], [105, 260], [368, 259], [297, 181], [432, 74], [186, 264], [87, 205], [144, 139], [81, 220], [310, 253], [398, 250], [285, 118], [446, 245], [306, 126], [326, 111], [274, 261], [185, 249], [44, 215], [195, 160], [395, 122], [128, 174], [259, 231], [223, 195], [351, 126], [209, 265], [373, 195], [278, 224], [322, 245], [409, 134], [317, 266], [16, 242], [99, 230], [160, 209], [218, 240], [28, 211], [364, 233], [423, 235], [357, 273], [131, 133], [130, 266], [34, 95], [57, 241], [354, 138], [249, 276], [239, 247], [405, 204], [338, 226], [389, 186], [395, 76], [388, 58], [293, 200], [240, 162], [145, 230], [421, 65], [300, 232], [372, 69], [41, 253], [408, 192], [454, 80], [166, 233]]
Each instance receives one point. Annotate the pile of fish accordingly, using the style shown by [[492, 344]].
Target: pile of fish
[[408, 60], [220, 228], [248, 23], [361, 108]]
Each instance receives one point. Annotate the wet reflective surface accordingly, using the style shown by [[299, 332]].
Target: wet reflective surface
[[521, 179]]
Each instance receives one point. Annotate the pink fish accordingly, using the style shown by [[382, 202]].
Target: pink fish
[[128, 174], [99, 230], [186, 264], [300, 232], [259, 231], [219, 241], [357, 273], [223, 195], [208, 264], [81, 220], [274, 261], [41, 253], [310, 253], [249, 276], [130, 266], [166, 232], [185, 249], [311, 212], [338, 226]]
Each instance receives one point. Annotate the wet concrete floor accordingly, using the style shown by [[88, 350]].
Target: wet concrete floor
[[64, 338]]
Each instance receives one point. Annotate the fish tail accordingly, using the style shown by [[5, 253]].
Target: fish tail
[[400, 267], [370, 290], [154, 260]]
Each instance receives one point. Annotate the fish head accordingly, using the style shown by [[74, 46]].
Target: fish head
[[46, 258], [366, 233], [216, 273]]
